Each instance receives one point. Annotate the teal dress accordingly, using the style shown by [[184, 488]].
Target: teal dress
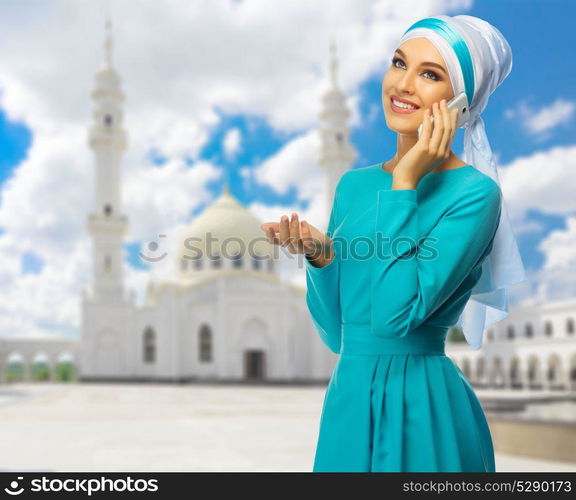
[[404, 267]]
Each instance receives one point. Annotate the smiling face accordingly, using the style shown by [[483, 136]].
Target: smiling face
[[411, 79]]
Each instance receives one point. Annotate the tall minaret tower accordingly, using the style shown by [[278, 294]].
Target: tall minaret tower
[[336, 152], [108, 140]]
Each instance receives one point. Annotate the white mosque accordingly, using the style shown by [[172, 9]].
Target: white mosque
[[231, 318], [225, 316]]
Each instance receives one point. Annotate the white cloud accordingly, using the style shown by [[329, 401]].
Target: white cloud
[[156, 198], [542, 181], [294, 166], [529, 226], [231, 143], [545, 119], [559, 247], [546, 285]]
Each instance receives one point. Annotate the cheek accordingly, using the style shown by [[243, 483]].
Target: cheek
[[386, 82], [436, 98]]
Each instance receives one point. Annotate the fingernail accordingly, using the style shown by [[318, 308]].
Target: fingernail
[[443, 102]]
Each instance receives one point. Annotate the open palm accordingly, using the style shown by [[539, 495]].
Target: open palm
[[298, 237]]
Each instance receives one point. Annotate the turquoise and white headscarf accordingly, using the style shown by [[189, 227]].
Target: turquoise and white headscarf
[[478, 59]]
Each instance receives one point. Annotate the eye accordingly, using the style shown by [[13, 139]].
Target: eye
[[397, 59], [432, 73]]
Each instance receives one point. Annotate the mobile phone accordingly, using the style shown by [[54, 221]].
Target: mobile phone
[[460, 102]]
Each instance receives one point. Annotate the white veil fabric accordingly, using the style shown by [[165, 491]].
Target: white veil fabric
[[478, 59]]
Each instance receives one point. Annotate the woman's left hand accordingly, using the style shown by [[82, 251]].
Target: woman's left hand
[[432, 148]]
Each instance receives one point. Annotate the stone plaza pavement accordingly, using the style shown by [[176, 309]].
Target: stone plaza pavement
[[117, 427]]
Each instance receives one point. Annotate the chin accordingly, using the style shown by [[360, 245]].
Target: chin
[[405, 124], [401, 126]]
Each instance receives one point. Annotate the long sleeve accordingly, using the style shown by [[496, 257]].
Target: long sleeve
[[323, 295], [407, 288]]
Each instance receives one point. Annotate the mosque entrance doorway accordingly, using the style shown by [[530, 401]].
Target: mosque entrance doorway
[[254, 365]]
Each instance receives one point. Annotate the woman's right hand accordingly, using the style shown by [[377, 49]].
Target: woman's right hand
[[432, 148], [300, 238]]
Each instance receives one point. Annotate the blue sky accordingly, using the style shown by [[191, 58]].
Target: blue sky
[[528, 117], [15, 139]]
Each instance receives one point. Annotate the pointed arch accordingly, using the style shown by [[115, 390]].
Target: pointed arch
[[515, 373], [205, 344], [466, 368], [572, 368], [237, 260], [510, 333], [497, 375], [149, 345], [534, 373], [555, 373], [481, 370]]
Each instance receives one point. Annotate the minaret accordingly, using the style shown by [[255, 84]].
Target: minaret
[[108, 140], [336, 153]]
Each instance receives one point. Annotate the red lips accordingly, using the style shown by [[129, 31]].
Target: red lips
[[405, 101]]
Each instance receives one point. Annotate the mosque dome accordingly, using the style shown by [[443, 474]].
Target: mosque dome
[[227, 229]]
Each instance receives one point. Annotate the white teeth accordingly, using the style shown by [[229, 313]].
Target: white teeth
[[403, 105]]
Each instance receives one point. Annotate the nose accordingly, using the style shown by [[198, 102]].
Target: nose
[[405, 83]]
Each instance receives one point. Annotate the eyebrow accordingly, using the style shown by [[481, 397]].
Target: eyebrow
[[423, 63]]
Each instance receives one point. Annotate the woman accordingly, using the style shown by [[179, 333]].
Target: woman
[[408, 243]]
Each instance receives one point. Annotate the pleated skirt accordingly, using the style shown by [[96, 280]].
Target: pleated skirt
[[400, 405]]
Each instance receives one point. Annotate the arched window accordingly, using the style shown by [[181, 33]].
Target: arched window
[[529, 330], [466, 367], [205, 346], [107, 209], [532, 372], [548, 329], [256, 262], [480, 369], [236, 260], [515, 379], [149, 345], [498, 373], [510, 332], [570, 326], [15, 368], [551, 372]]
